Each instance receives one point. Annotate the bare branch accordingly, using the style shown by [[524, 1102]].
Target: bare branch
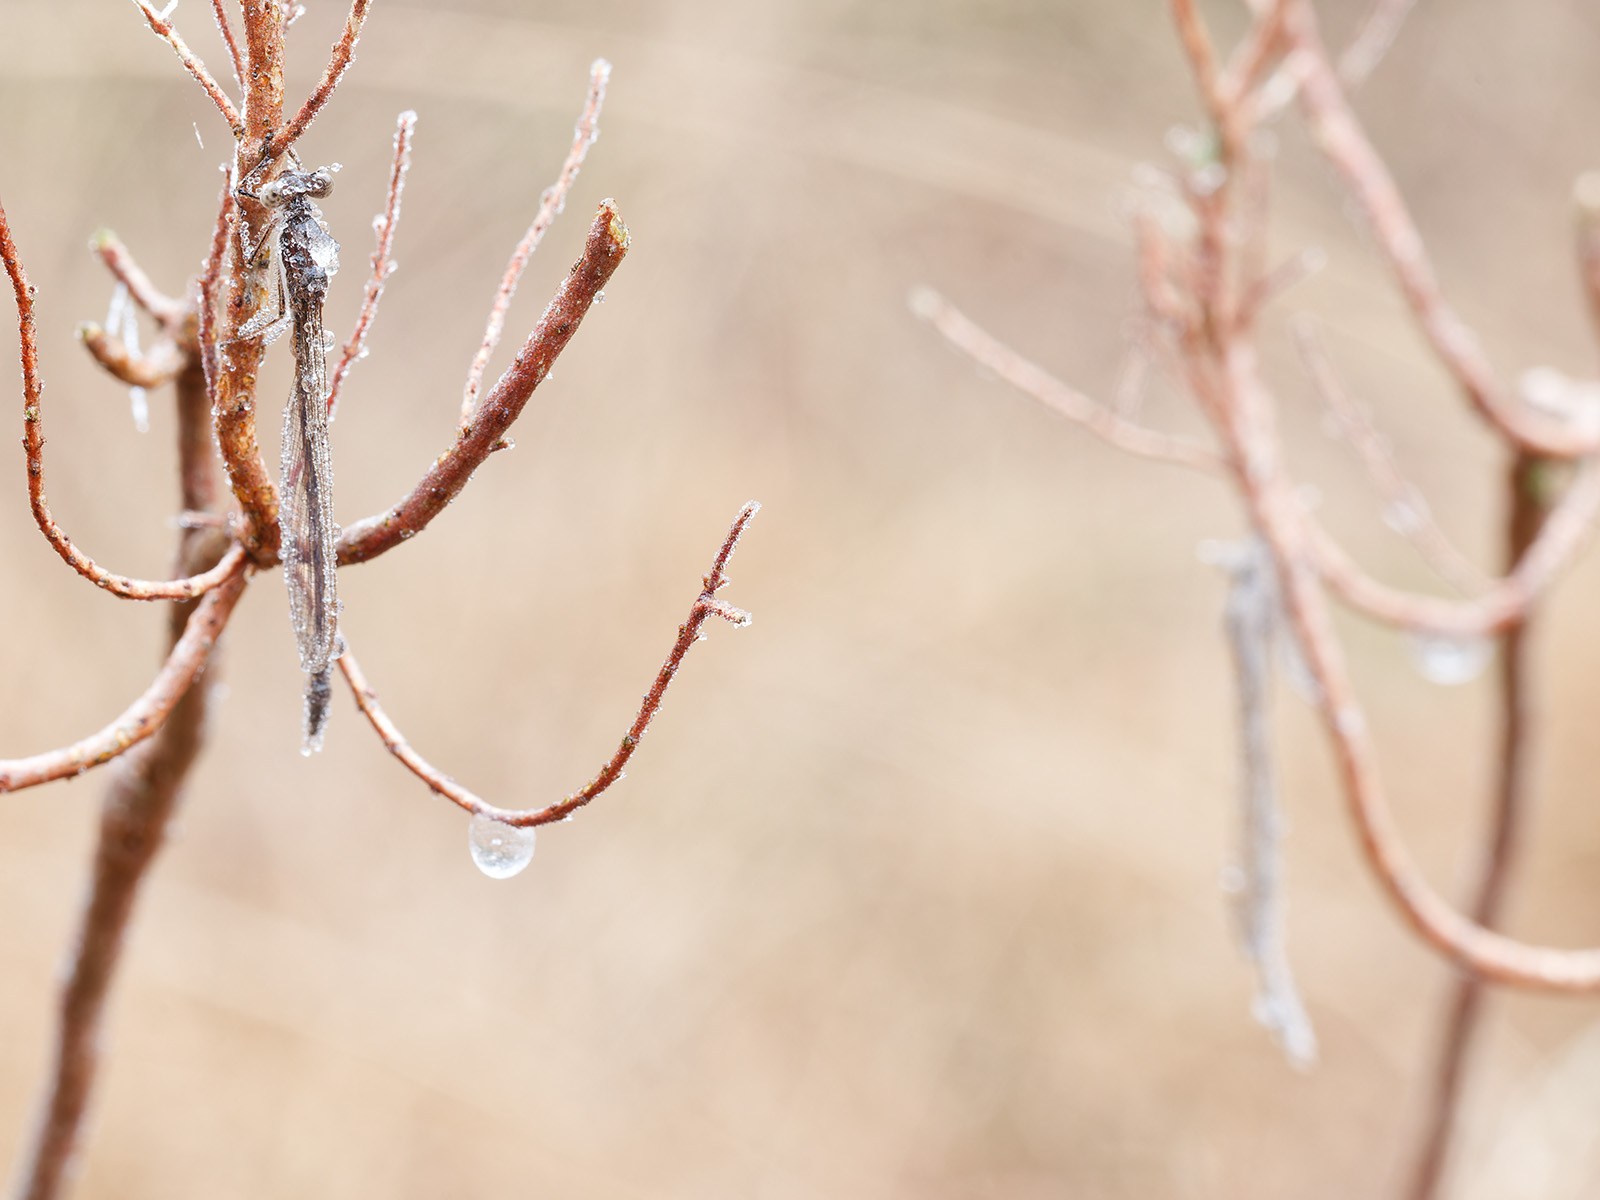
[[1570, 525], [135, 812], [705, 605], [163, 29], [228, 40], [1340, 137], [1033, 380], [33, 443], [338, 61], [1274, 512], [146, 714], [550, 207], [382, 265], [120, 262], [157, 365], [602, 253]]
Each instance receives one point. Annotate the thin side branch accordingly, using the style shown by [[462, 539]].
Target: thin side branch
[[338, 62], [1344, 143], [163, 29], [228, 40], [550, 207], [1033, 380], [1570, 525], [1273, 510], [135, 813], [161, 363], [33, 443], [120, 262], [382, 265], [706, 604], [602, 253], [146, 714]]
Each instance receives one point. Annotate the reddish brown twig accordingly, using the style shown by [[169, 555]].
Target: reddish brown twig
[[230, 42], [1026, 377], [338, 62], [120, 262], [706, 604], [1528, 509], [145, 715], [602, 252], [163, 29], [135, 813], [33, 443], [1507, 600], [1341, 139], [550, 206], [155, 366], [382, 265]]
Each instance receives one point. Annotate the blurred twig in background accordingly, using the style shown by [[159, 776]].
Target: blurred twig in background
[[200, 350], [1203, 283]]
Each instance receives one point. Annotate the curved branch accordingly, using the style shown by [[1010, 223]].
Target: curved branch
[[602, 252], [163, 29], [160, 364], [146, 714], [1033, 380], [550, 205], [1506, 602], [705, 605], [1273, 510], [1344, 143], [33, 442], [118, 259]]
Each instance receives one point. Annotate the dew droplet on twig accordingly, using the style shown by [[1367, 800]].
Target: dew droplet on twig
[[1449, 661], [499, 850]]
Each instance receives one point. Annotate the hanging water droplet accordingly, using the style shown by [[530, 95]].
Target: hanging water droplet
[[1449, 661], [500, 850]]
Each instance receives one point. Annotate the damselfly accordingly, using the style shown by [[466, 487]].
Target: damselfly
[[293, 260]]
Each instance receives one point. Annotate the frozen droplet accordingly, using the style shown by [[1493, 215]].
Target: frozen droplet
[[500, 850], [600, 296], [1447, 660]]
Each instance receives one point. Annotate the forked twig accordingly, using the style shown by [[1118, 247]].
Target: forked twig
[[705, 605], [602, 253], [550, 206], [145, 715], [33, 443]]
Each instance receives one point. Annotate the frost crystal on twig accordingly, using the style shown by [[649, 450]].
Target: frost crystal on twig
[[1253, 624]]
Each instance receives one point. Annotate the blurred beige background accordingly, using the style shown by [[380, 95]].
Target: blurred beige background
[[912, 889]]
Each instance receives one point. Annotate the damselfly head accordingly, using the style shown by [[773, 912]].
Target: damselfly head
[[292, 183]]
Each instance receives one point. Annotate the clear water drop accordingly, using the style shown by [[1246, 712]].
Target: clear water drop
[[1449, 661], [500, 850]]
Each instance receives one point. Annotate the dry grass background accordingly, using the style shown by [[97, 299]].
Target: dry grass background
[[912, 888]]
